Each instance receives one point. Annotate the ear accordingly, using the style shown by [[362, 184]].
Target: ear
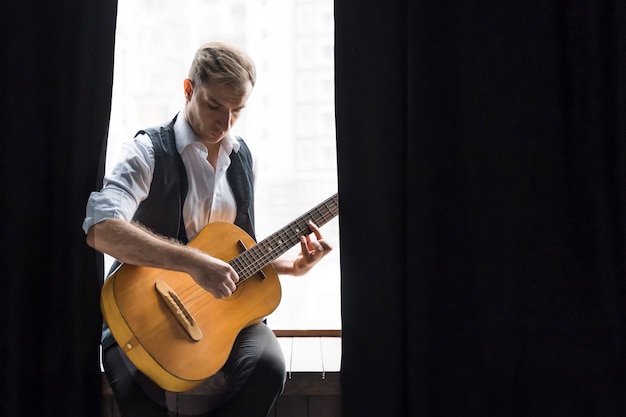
[[188, 88]]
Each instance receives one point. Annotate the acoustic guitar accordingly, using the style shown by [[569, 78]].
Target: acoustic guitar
[[179, 334]]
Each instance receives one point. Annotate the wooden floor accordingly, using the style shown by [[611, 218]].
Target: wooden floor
[[306, 394], [312, 387]]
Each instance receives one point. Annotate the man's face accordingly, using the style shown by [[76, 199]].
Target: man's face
[[212, 109]]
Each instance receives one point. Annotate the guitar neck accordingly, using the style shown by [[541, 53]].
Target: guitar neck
[[269, 249]]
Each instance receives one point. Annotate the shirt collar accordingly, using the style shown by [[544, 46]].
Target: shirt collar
[[185, 136]]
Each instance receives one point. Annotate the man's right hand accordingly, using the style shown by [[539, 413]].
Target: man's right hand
[[132, 244], [214, 275]]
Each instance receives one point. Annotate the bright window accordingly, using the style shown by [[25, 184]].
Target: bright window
[[288, 123]]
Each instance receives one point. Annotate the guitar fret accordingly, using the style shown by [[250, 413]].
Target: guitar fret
[[251, 261], [236, 264], [252, 256]]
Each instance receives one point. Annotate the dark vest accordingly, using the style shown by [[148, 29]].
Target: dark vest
[[162, 210]]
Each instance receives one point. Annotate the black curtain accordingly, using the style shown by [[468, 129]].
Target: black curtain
[[482, 183], [482, 167], [55, 78]]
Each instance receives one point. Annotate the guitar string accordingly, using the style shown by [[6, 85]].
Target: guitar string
[[251, 267], [248, 269], [195, 301]]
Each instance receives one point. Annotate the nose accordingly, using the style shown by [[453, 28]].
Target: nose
[[225, 120]]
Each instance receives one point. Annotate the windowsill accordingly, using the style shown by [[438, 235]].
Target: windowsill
[[311, 350]]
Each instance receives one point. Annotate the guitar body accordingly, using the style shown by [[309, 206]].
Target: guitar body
[[149, 332]]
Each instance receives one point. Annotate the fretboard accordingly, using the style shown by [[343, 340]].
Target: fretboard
[[251, 261]]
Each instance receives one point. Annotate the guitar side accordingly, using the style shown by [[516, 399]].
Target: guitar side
[[152, 337]]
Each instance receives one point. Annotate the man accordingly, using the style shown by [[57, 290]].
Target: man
[[138, 219]]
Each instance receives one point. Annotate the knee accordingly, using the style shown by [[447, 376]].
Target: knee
[[272, 370]]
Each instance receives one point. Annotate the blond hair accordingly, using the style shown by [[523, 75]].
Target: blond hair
[[223, 63]]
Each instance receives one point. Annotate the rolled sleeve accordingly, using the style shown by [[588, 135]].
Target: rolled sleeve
[[125, 187], [110, 203]]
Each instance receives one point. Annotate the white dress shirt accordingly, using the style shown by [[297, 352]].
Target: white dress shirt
[[209, 197]]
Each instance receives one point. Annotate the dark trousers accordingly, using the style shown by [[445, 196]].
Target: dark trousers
[[248, 385]]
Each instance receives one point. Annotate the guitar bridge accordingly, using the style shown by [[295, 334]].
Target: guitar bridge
[[181, 313]]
